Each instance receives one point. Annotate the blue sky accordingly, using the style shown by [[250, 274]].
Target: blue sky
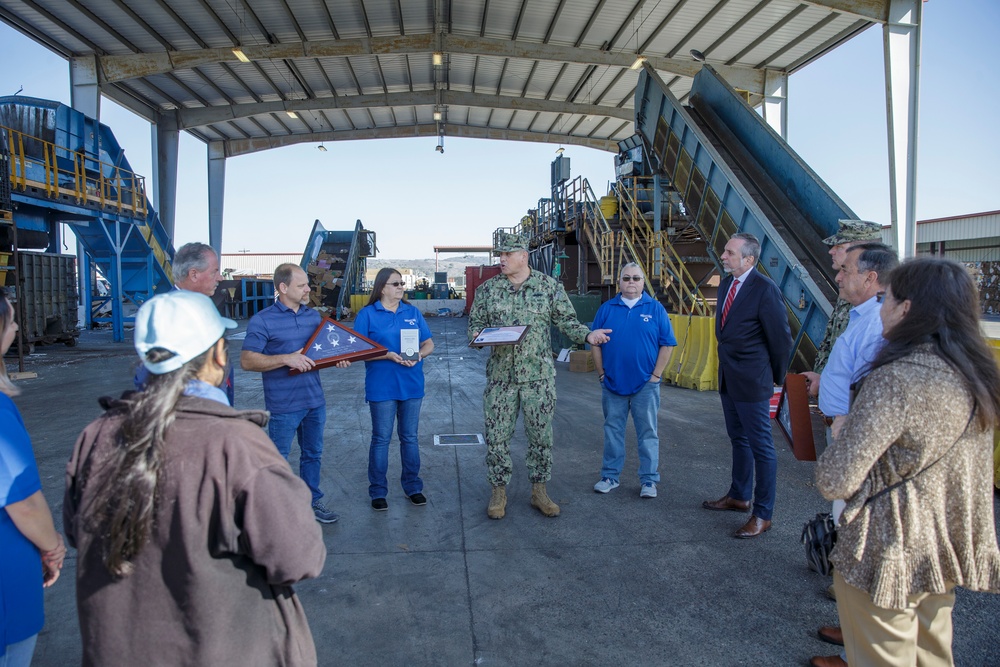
[[415, 198]]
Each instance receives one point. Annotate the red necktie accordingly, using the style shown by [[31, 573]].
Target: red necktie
[[730, 295]]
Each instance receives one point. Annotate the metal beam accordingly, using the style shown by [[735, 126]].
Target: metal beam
[[235, 147], [871, 10], [901, 35], [117, 68], [197, 117]]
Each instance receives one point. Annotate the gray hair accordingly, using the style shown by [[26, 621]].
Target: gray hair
[[283, 274], [191, 256], [630, 265], [751, 246], [876, 257]]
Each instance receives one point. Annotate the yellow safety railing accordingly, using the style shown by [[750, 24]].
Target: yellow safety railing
[[106, 186], [659, 253]]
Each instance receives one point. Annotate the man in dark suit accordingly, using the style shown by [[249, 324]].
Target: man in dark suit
[[754, 345]]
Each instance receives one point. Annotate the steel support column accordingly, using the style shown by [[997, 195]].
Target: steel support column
[[901, 40], [216, 193], [775, 105], [85, 92], [164, 137]]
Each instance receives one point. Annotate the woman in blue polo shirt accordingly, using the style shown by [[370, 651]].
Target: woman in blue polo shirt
[[31, 551], [394, 385]]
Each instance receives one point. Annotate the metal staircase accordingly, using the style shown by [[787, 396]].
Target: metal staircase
[[68, 168]]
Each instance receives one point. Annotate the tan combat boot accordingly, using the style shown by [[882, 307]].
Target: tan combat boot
[[541, 501], [498, 503]]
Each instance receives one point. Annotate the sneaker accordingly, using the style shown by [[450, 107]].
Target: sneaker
[[418, 499], [323, 515], [606, 484], [648, 490], [379, 504]]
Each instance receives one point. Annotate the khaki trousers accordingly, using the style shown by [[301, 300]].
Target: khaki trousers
[[874, 637]]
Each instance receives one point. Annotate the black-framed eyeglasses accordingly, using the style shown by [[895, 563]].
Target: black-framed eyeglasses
[[398, 283], [880, 297], [636, 279]]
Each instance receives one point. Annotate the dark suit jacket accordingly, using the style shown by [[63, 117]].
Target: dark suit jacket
[[755, 344]]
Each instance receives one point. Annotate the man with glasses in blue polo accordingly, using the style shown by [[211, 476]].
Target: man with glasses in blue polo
[[630, 368]]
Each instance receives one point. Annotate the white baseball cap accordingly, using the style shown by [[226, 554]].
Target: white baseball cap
[[185, 323]]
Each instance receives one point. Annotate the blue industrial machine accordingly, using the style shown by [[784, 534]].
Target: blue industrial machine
[[68, 168], [348, 251], [735, 174]]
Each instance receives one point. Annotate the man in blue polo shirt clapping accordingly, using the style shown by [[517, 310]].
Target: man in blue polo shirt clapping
[[273, 345], [629, 367]]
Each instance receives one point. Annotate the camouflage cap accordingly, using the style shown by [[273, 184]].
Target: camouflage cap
[[855, 230], [509, 242]]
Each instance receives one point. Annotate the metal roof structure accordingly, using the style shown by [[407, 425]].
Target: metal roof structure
[[259, 74]]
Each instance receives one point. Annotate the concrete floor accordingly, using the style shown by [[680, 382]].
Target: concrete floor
[[615, 580]]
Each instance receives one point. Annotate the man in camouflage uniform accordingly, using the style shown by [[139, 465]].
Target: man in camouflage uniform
[[522, 376], [849, 234]]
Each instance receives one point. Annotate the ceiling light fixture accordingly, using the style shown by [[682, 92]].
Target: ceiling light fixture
[[321, 147], [242, 57], [437, 58], [292, 114], [698, 55], [639, 60], [437, 114]]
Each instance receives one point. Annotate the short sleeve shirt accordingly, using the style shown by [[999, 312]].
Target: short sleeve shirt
[[637, 334], [280, 330], [386, 380], [21, 614]]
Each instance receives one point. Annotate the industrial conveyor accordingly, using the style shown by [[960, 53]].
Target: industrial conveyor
[[735, 174]]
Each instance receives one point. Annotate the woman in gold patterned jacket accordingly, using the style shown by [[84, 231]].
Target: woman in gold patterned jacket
[[914, 461]]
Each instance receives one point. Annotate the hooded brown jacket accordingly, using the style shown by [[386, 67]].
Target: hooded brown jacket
[[233, 530]]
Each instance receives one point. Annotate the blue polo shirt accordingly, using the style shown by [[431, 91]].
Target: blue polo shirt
[[21, 614], [386, 380], [637, 334], [280, 330]]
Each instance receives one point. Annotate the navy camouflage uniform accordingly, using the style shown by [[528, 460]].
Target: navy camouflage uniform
[[522, 377]]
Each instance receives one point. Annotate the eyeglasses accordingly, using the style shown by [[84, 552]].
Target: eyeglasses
[[636, 279], [396, 284], [880, 297]]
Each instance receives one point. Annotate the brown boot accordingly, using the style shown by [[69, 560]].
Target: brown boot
[[541, 501], [498, 503]]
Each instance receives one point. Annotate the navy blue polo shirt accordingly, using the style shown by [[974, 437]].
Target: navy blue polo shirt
[[637, 334], [280, 330], [386, 380]]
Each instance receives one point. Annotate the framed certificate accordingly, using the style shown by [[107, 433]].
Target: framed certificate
[[500, 336], [409, 344], [332, 342], [794, 418]]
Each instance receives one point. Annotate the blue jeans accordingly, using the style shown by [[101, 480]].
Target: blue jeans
[[308, 425], [384, 415], [19, 654], [644, 406], [749, 427]]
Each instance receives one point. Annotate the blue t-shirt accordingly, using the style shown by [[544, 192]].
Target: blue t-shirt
[[280, 330], [637, 334], [21, 613], [386, 380]]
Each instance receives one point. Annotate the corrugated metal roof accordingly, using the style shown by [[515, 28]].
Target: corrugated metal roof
[[256, 264], [320, 58], [983, 226]]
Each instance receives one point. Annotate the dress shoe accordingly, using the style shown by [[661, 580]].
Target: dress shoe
[[753, 528], [727, 503], [828, 661], [832, 634]]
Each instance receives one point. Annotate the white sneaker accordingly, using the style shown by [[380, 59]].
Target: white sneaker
[[606, 484], [648, 490]]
